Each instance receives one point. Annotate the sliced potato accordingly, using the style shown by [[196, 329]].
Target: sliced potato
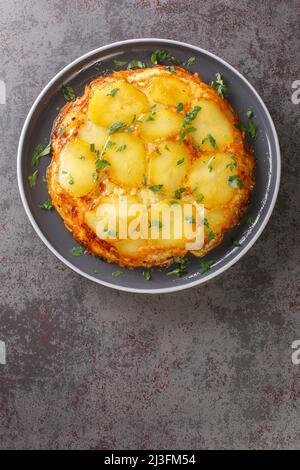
[[93, 134], [212, 125], [77, 173], [170, 91], [117, 102], [160, 124], [126, 155], [209, 177], [168, 165]]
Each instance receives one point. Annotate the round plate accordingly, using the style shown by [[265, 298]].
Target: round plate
[[49, 225]]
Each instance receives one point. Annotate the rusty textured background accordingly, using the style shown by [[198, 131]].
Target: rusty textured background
[[88, 367]]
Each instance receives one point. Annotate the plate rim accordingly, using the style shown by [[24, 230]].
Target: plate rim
[[163, 290]]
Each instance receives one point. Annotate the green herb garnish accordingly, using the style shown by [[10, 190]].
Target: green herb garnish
[[117, 126], [33, 178], [147, 275], [77, 250], [209, 138], [205, 266], [47, 205], [121, 148], [219, 85], [136, 64], [117, 273], [199, 198], [180, 270], [101, 164], [235, 182], [179, 162], [179, 107], [179, 192], [68, 92], [156, 187], [119, 63], [209, 164], [236, 243], [191, 61], [39, 152], [185, 132], [252, 129], [113, 92], [210, 235], [190, 116]]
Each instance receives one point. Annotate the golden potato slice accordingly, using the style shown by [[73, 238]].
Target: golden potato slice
[[209, 177], [168, 165], [93, 134], [77, 173], [160, 124], [116, 217], [117, 102], [170, 91], [126, 155], [213, 129], [130, 247]]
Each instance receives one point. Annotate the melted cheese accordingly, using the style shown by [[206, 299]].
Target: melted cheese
[[77, 173]]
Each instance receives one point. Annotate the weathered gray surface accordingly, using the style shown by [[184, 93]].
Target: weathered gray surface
[[89, 367]]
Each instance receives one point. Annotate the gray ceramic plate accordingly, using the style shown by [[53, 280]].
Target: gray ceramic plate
[[49, 225]]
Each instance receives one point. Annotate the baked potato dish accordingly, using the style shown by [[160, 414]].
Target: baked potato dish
[[156, 136]]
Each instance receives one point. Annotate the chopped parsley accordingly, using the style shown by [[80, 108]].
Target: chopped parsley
[[205, 266], [179, 107], [110, 143], [210, 235], [179, 162], [33, 178], [232, 165], [147, 275], [101, 164], [167, 148], [209, 138], [249, 219], [240, 126], [150, 118], [191, 61], [155, 187], [113, 92], [171, 69], [136, 64], [92, 148], [95, 176], [179, 192], [161, 55], [68, 92], [120, 63], [236, 243], [117, 126], [252, 129], [39, 152], [47, 205], [249, 112], [190, 116], [235, 182], [117, 273], [185, 132], [155, 224], [199, 198], [209, 164], [71, 180], [181, 268], [77, 251], [121, 148], [190, 219], [219, 85]]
